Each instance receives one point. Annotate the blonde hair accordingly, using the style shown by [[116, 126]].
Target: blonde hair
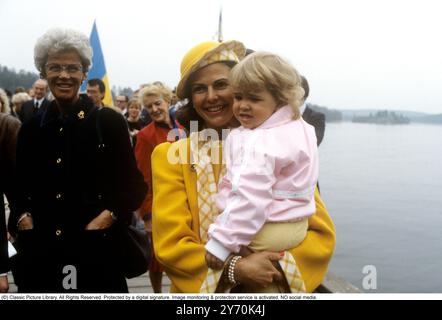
[[160, 91], [20, 97], [263, 70], [5, 102], [134, 101]]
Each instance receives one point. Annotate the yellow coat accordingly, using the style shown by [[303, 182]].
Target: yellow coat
[[175, 224]]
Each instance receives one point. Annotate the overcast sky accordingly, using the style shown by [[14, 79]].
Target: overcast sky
[[355, 54]]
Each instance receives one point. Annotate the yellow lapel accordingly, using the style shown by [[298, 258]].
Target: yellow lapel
[[190, 182]]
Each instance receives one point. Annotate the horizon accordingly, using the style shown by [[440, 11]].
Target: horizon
[[384, 109], [354, 54]]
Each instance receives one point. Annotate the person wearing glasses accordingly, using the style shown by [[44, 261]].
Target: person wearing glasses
[[73, 194], [122, 102], [37, 104]]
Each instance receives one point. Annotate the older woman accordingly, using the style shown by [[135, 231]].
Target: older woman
[[184, 185], [156, 100], [73, 192]]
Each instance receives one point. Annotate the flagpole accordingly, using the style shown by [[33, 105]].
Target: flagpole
[[220, 25]]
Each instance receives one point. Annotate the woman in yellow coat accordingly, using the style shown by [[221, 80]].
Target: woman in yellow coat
[[183, 202]]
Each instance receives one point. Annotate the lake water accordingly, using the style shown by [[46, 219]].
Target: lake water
[[383, 188]]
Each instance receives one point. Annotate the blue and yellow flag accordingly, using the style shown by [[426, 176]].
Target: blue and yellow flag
[[98, 69]]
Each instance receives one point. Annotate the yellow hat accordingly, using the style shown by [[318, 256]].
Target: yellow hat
[[204, 54]]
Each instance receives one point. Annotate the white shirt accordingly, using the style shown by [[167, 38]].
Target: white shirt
[[39, 102]]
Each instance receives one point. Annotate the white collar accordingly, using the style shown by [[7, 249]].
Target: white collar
[[39, 101]]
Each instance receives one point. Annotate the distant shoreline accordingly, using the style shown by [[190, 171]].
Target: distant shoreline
[[386, 117]]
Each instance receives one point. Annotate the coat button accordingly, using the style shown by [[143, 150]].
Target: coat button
[[58, 233]]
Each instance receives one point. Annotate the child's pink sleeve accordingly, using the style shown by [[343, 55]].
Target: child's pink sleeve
[[244, 200]]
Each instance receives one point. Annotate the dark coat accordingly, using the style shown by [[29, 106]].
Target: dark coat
[[317, 120], [27, 111], [9, 127], [66, 180], [145, 117]]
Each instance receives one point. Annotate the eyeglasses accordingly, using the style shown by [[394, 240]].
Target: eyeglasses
[[55, 68]]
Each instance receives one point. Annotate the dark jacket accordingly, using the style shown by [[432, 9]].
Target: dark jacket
[[317, 120], [66, 180], [145, 117], [27, 111], [9, 127]]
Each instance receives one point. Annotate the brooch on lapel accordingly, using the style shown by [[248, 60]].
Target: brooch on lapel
[[80, 115]]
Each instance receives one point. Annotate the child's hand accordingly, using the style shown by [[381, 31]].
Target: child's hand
[[213, 262], [244, 251]]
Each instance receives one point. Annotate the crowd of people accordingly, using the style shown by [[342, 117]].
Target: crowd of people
[[223, 172]]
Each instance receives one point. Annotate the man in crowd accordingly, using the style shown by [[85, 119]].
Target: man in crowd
[[38, 104], [96, 91], [122, 101]]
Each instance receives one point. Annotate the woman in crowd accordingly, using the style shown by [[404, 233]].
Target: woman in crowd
[[185, 176], [17, 101], [9, 127], [4, 102], [156, 99], [133, 119]]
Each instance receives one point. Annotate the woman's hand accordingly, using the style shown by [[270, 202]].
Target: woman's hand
[[213, 262], [26, 223], [102, 221], [4, 285], [257, 269]]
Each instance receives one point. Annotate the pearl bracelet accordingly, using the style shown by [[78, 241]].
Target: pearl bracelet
[[231, 271]]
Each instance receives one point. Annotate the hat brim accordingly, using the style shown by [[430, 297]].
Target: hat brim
[[237, 47]]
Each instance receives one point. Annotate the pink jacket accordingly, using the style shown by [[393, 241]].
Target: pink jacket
[[271, 176]]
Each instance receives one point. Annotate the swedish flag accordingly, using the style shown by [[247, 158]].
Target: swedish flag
[[98, 69]]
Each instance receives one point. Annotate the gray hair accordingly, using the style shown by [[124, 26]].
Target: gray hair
[[43, 81], [56, 41]]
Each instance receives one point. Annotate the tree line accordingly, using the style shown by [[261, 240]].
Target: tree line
[[331, 115], [11, 79]]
